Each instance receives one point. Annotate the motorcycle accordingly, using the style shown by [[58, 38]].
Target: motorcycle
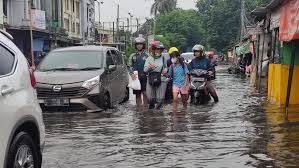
[[198, 78]]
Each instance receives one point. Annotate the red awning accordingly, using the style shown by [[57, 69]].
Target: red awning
[[289, 21]]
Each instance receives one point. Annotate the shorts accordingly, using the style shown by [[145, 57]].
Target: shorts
[[143, 82], [182, 90]]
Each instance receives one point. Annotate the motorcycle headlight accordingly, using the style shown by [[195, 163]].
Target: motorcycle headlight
[[91, 83]]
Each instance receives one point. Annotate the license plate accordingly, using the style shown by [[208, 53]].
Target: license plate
[[57, 102]]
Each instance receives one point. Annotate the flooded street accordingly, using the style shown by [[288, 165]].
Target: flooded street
[[239, 131]]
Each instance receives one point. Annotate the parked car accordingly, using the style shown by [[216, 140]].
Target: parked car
[[22, 131], [83, 78], [188, 57]]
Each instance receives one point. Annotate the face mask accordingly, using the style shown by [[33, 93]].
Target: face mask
[[174, 60]]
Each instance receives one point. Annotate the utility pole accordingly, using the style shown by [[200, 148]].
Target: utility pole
[[31, 34], [137, 24], [117, 24], [242, 19]]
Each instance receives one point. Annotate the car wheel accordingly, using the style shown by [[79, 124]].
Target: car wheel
[[23, 152], [127, 96]]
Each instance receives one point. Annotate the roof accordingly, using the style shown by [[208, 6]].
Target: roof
[[273, 4], [259, 11], [262, 11], [84, 48]]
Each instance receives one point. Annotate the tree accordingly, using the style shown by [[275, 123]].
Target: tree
[[163, 6], [183, 28], [222, 20]]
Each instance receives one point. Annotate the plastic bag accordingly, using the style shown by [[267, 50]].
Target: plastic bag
[[134, 84]]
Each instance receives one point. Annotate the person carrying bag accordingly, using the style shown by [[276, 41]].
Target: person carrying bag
[[155, 67]]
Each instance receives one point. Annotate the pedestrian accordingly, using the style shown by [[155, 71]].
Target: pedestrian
[[168, 93], [179, 73], [136, 63], [155, 66], [201, 62]]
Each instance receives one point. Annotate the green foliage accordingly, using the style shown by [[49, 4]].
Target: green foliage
[[216, 24], [129, 51], [222, 20], [181, 27]]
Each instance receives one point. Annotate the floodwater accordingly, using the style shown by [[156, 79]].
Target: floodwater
[[239, 131]]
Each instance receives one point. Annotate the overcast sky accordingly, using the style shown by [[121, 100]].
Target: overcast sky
[[139, 8]]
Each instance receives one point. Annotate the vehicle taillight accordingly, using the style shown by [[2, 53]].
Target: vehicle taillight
[[32, 78]]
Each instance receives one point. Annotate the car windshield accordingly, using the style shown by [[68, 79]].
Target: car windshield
[[71, 60], [188, 56]]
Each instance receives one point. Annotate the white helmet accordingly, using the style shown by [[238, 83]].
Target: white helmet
[[140, 40], [198, 47]]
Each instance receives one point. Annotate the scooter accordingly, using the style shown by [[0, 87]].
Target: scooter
[[198, 78]]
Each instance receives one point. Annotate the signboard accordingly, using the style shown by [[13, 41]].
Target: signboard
[[38, 19], [289, 21]]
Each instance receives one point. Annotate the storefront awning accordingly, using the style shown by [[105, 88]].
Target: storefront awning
[[243, 49]]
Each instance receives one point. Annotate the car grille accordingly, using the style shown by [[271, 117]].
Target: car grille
[[71, 108], [64, 93]]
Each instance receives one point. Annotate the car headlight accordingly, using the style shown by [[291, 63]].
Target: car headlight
[[91, 83]]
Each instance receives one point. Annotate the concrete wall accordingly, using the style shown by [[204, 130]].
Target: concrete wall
[[18, 12]]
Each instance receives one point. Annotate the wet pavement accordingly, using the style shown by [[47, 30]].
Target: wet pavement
[[239, 131]]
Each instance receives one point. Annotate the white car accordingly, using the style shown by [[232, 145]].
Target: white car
[[22, 131], [188, 57]]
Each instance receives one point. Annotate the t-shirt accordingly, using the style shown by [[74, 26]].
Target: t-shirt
[[160, 63], [179, 74], [200, 63]]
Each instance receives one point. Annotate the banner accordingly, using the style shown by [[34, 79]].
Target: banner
[[38, 19], [289, 21]]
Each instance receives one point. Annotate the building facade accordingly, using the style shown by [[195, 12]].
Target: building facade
[[88, 21], [55, 23]]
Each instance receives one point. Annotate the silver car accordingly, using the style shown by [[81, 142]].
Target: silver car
[[84, 78]]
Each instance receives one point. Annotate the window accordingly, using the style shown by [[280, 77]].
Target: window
[[6, 61], [71, 59], [66, 24], [5, 7], [78, 28], [67, 5], [78, 10], [117, 57], [73, 27], [109, 60], [73, 6]]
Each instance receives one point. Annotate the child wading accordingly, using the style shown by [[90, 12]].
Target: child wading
[[179, 73]]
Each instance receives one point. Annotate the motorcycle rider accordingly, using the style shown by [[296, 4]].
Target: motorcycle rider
[[213, 62], [201, 62], [136, 63]]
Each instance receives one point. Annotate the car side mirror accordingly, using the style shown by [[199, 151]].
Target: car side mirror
[[112, 67]]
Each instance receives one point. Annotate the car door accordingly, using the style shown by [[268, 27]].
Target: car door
[[111, 77], [121, 89], [7, 98]]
